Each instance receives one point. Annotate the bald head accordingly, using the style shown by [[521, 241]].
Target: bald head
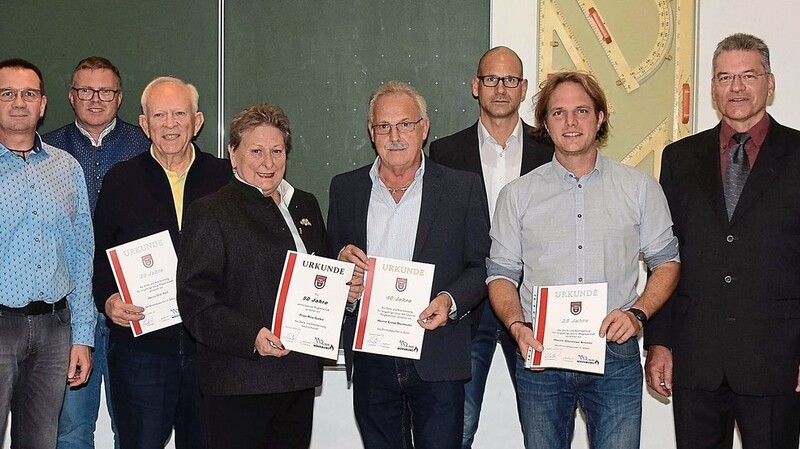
[[499, 54]]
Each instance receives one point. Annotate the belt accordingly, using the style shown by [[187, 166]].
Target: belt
[[36, 307]]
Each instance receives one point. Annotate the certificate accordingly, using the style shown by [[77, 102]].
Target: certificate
[[310, 305], [145, 271], [567, 323], [395, 294]]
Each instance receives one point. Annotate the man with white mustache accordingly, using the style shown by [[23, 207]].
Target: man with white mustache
[[405, 206], [582, 218], [153, 386]]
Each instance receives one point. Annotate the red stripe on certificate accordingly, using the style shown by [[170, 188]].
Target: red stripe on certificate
[[288, 268], [123, 287], [541, 318], [362, 322]]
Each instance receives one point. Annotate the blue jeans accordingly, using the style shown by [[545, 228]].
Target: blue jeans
[[151, 394], [34, 355], [490, 331], [612, 403], [79, 412], [394, 407]]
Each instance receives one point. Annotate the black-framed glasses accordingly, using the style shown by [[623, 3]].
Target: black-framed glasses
[[87, 93], [509, 81], [725, 79], [28, 95], [402, 127]]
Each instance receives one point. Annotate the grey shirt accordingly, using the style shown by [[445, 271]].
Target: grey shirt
[[551, 228]]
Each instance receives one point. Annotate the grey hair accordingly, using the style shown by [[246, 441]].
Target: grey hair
[[398, 87], [746, 42]]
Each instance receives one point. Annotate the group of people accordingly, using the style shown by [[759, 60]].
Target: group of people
[[499, 208]]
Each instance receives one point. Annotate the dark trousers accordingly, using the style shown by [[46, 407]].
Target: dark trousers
[[705, 419], [490, 331], [394, 406], [260, 421], [151, 394], [34, 355]]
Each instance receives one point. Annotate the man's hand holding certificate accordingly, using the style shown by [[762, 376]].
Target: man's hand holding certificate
[[396, 292], [145, 271], [567, 321], [310, 304]]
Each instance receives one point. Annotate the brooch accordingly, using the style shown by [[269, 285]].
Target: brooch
[[305, 222]]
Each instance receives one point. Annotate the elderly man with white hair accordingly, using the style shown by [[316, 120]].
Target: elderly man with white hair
[[153, 387]]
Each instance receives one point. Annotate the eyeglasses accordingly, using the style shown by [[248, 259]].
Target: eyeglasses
[[492, 80], [28, 95], [402, 127], [87, 93], [725, 79]]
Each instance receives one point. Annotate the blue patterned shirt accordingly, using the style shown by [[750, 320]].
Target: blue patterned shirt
[[119, 143], [46, 237]]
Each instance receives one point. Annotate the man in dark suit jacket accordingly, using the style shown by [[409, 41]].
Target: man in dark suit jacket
[[498, 147], [407, 207], [728, 343], [153, 386]]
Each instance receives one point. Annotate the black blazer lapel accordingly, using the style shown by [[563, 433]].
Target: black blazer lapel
[[431, 196], [764, 171], [707, 173], [362, 189]]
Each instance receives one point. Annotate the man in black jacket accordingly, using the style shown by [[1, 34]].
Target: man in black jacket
[[727, 344], [153, 387], [500, 149]]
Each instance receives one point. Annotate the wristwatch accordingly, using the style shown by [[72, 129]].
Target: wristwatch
[[641, 316]]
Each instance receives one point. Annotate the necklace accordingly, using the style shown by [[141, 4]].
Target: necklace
[[21, 153], [392, 191]]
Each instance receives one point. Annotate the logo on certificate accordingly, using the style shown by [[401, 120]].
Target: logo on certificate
[[405, 346], [575, 307], [147, 260], [400, 284], [319, 281]]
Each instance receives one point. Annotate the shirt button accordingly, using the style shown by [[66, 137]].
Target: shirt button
[[38, 266], [580, 215], [580, 246], [36, 239], [41, 293], [729, 239], [728, 279], [580, 186], [35, 213], [580, 279], [97, 177]]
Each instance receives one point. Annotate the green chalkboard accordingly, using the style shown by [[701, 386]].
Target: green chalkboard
[[143, 38], [318, 60]]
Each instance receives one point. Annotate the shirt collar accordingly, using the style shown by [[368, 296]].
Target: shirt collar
[[483, 135], [153, 155], [562, 173], [376, 179], [106, 130], [758, 133], [37, 146], [285, 190]]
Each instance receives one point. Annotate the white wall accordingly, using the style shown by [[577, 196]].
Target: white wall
[[514, 24]]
